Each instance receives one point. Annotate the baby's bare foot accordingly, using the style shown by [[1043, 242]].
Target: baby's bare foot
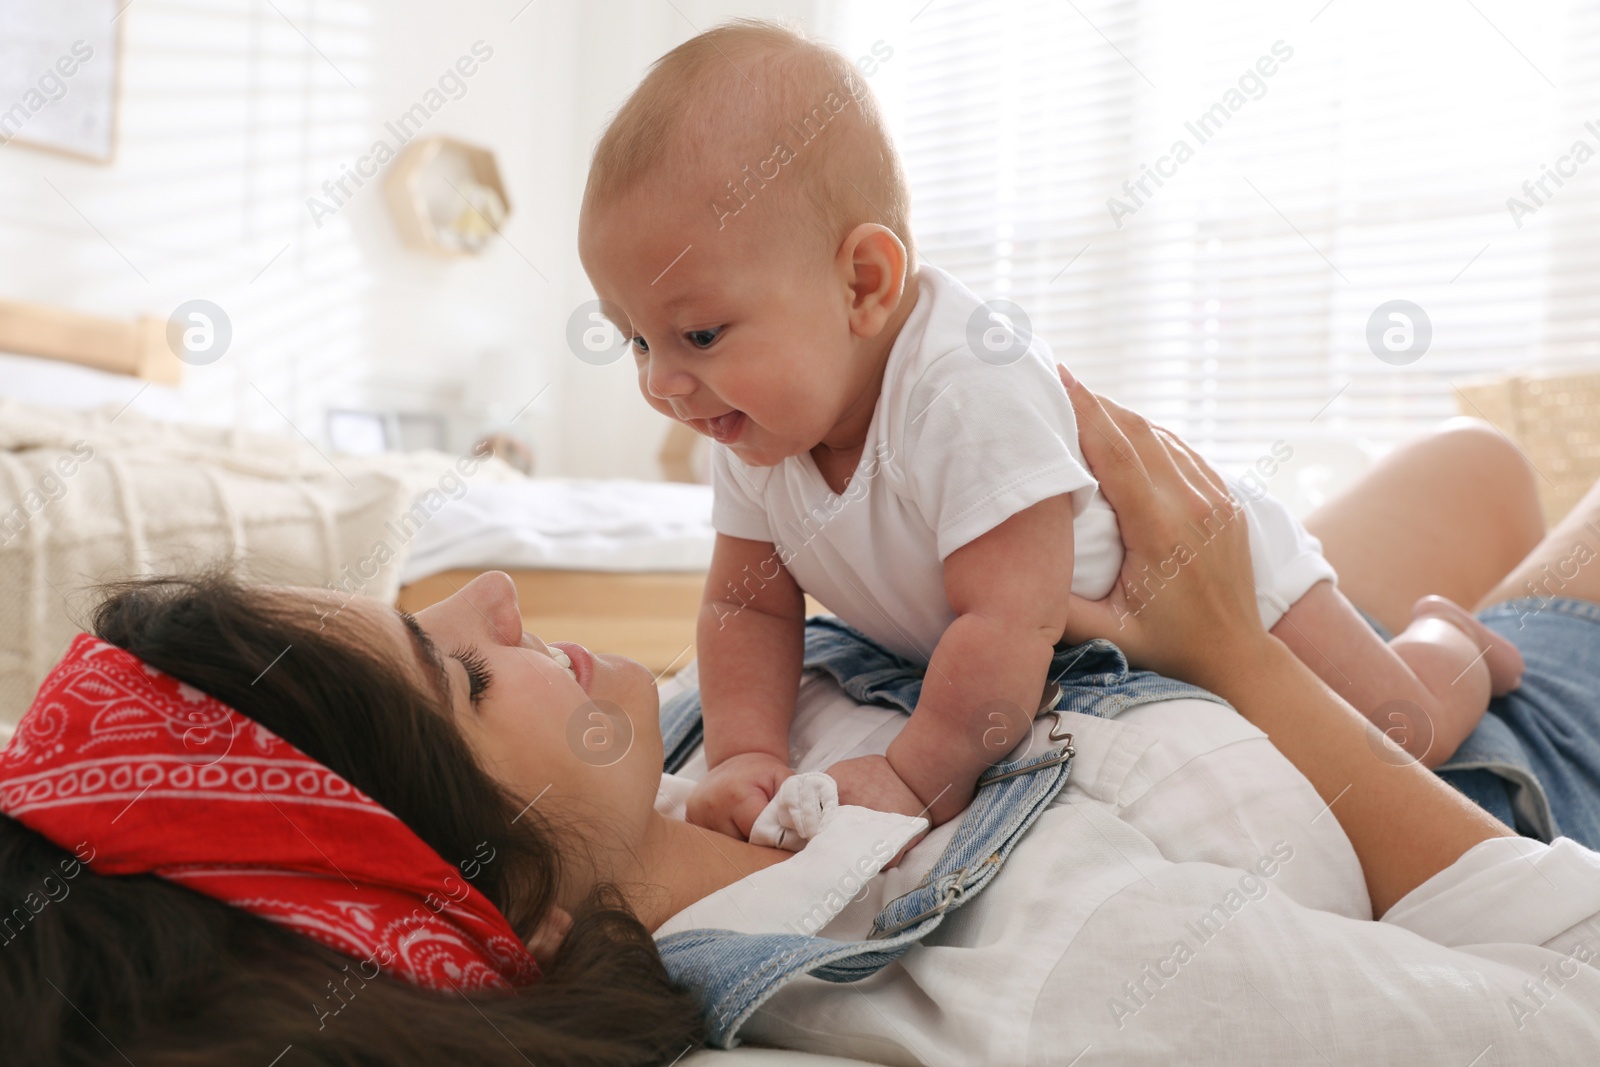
[[1502, 657]]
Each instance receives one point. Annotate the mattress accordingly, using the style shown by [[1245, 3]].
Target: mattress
[[569, 524]]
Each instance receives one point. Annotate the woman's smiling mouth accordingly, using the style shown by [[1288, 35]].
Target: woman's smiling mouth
[[576, 659]]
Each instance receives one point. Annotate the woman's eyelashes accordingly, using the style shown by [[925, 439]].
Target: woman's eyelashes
[[479, 677]]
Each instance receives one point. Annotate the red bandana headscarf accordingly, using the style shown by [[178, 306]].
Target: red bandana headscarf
[[156, 777]]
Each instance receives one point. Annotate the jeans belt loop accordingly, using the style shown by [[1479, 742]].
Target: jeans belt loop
[[952, 893]]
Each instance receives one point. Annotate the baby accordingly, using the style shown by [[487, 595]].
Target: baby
[[885, 443]]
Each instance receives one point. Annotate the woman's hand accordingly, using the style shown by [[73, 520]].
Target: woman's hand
[[1197, 620], [1184, 604]]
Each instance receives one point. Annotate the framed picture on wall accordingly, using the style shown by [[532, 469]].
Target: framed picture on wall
[[59, 63]]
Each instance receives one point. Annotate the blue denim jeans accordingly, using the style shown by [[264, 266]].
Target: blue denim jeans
[[1533, 762]]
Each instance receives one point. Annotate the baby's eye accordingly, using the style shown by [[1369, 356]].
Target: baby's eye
[[704, 338], [640, 345]]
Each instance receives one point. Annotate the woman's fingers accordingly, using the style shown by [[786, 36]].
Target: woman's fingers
[[1154, 445], [1105, 446], [1164, 453], [1214, 497], [1138, 430], [1155, 460], [1208, 470], [1087, 619], [1202, 478], [1180, 531]]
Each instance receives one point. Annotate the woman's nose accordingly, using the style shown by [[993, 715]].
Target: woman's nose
[[493, 595]]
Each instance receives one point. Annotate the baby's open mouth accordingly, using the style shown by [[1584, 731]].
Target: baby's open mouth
[[724, 428]]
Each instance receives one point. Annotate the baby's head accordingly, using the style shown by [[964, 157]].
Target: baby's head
[[746, 224]]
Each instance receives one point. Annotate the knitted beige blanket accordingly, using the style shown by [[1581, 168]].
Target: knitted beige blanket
[[91, 497]]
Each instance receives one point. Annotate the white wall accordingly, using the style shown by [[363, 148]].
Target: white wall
[[233, 114], [225, 115]]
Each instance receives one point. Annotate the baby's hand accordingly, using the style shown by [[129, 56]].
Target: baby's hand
[[869, 781], [734, 792]]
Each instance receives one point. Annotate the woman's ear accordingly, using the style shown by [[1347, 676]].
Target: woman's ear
[[873, 261], [552, 932]]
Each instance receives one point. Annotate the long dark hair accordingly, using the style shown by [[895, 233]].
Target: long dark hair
[[138, 968]]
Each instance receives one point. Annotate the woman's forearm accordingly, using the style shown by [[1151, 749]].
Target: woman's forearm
[[1405, 823]]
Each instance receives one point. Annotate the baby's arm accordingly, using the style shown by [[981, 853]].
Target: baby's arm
[[1009, 588], [751, 636]]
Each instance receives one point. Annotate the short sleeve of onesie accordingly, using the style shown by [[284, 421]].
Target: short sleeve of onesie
[[736, 508], [984, 442]]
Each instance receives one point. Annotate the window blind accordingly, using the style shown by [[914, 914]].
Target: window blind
[[1311, 162], [231, 113]]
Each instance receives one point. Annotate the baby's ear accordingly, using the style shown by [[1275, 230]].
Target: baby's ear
[[547, 939], [874, 261]]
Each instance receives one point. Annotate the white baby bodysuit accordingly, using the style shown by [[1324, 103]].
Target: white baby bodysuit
[[956, 446]]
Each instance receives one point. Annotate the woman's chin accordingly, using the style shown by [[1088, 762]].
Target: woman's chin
[[631, 676], [625, 666]]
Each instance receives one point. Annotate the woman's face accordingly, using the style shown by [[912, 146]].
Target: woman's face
[[585, 747]]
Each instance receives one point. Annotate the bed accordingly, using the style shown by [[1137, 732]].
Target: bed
[[612, 564], [615, 565], [630, 582]]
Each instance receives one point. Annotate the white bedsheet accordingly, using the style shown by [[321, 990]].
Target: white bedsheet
[[553, 523], [569, 524]]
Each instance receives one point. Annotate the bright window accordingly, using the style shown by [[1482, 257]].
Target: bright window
[[1312, 164]]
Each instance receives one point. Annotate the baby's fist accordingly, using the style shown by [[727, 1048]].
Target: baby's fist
[[735, 792], [869, 781]]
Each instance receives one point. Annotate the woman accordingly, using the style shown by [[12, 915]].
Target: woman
[[460, 726]]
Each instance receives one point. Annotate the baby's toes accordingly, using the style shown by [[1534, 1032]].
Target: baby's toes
[[1503, 658]]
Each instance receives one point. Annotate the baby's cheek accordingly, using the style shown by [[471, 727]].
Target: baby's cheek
[[655, 401]]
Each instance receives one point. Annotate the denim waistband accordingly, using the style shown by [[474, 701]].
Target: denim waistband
[[1542, 740]]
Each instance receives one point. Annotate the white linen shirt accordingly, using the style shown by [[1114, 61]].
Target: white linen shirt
[[1188, 897]]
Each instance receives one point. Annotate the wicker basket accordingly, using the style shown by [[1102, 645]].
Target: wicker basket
[[1555, 420]]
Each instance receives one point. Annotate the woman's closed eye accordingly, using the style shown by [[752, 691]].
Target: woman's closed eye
[[479, 677]]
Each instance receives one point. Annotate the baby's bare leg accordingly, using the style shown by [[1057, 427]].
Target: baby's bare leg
[[1426, 690]]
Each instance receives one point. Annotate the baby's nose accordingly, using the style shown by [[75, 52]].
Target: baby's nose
[[665, 381]]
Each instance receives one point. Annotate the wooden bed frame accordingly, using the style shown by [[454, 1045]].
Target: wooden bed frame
[[647, 616]]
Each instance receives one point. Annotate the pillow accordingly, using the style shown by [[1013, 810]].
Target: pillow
[[87, 497], [66, 385]]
